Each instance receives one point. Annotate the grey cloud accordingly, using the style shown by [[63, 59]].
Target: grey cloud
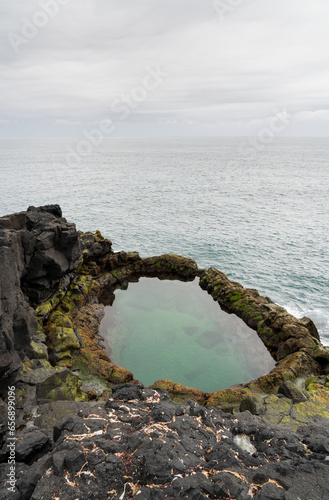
[[222, 74]]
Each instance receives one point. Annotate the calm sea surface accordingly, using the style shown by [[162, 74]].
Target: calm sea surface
[[262, 218]]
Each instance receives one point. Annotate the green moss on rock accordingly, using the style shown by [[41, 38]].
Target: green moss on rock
[[39, 350], [119, 375], [51, 383], [228, 400], [64, 339], [72, 328], [180, 393], [168, 265]]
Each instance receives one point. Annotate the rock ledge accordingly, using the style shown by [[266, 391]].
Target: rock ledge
[[87, 429]]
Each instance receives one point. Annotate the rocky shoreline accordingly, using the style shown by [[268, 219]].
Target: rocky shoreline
[[85, 428]]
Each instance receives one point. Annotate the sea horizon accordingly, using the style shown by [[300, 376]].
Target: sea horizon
[[260, 219]]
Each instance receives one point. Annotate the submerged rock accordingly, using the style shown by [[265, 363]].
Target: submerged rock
[[268, 439]]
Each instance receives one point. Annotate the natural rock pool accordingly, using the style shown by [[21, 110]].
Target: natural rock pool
[[174, 330]]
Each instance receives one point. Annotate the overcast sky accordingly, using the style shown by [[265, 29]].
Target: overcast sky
[[164, 67]]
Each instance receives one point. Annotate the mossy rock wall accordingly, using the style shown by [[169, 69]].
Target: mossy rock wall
[[282, 333], [72, 327]]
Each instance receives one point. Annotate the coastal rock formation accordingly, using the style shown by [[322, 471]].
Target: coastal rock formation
[[38, 249], [86, 429], [141, 444], [282, 333]]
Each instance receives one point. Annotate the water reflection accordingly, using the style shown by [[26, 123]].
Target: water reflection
[[175, 330]]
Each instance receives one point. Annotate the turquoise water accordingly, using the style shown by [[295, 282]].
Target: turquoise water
[[261, 218], [175, 330]]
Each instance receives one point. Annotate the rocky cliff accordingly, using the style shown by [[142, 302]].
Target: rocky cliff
[[84, 428], [38, 250]]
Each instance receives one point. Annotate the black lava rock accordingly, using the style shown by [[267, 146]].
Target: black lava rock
[[29, 444], [144, 445], [38, 249]]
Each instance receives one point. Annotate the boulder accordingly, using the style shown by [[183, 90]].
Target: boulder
[[52, 383], [30, 443], [291, 391], [94, 245], [53, 251]]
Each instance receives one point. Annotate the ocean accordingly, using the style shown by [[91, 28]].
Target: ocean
[[259, 215]]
